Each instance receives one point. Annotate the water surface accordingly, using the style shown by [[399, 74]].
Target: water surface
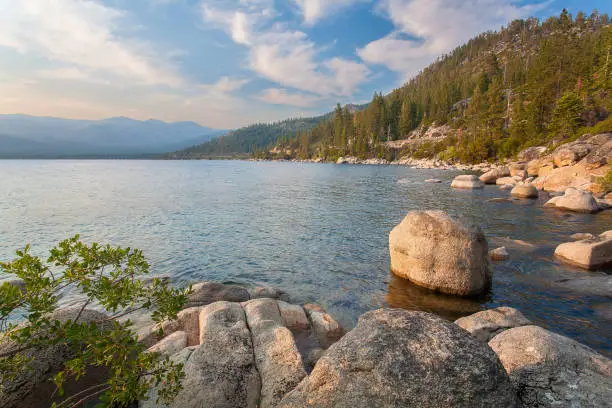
[[319, 231]]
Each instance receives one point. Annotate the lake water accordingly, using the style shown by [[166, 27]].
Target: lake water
[[318, 231]]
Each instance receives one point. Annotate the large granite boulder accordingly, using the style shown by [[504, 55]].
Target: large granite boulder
[[575, 200], [492, 175], [541, 166], [436, 251], [467, 182], [205, 293], [590, 253], [221, 371], [397, 358], [549, 370], [32, 386], [601, 155], [487, 324], [525, 191]]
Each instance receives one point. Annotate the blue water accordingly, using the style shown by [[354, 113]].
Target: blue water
[[319, 231]]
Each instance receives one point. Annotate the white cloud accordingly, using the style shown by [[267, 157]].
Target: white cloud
[[278, 96], [314, 10], [83, 34], [287, 57], [437, 27]]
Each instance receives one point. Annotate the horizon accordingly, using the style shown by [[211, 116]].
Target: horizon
[[149, 60]]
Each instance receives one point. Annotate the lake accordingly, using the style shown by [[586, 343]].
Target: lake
[[318, 231]]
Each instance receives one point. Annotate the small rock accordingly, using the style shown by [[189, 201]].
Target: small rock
[[171, 344], [525, 191], [506, 181], [549, 370], [589, 254], [433, 181], [489, 323], [499, 254], [467, 182], [269, 292], [532, 153]]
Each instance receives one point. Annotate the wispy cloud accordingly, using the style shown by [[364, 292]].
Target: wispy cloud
[[315, 10], [436, 26], [279, 54], [281, 96]]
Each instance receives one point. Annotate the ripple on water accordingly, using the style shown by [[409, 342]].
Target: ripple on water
[[318, 231]]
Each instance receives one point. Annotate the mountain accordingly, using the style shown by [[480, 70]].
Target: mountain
[[23, 135], [254, 138], [530, 83]]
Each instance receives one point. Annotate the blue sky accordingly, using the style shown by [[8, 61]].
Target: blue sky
[[228, 63]]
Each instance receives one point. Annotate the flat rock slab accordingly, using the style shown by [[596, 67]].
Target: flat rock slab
[[397, 358], [487, 324], [549, 370]]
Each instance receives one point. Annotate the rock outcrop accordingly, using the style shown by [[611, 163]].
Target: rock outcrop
[[489, 323], [549, 370], [589, 253], [397, 358], [467, 182], [433, 250], [205, 293], [532, 153]]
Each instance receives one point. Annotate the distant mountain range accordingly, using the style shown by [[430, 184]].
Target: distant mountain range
[[33, 136]]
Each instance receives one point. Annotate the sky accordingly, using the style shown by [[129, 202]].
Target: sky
[[230, 63]]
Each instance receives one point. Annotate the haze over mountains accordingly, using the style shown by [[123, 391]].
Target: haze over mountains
[[33, 136]]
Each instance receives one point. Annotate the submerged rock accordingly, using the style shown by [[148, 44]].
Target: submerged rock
[[549, 370], [579, 236], [325, 327], [438, 252], [589, 253], [467, 182], [593, 284], [487, 324], [269, 292], [397, 358]]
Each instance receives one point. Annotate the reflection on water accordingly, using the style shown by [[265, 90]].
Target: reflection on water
[[404, 294], [318, 231]]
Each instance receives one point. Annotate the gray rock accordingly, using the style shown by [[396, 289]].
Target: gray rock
[[575, 200], [205, 293], [151, 400], [570, 153], [593, 284], [276, 355], [532, 153], [269, 292], [435, 181], [549, 370], [221, 372], [467, 182], [397, 358], [434, 250], [44, 362], [487, 324]]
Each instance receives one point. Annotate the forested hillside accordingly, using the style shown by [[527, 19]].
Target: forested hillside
[[529, 83]]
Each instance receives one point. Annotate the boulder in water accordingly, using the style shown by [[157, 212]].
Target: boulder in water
[[467, 182], [525, 191], [575, 200], [492, 175], [434, 250], [499, 254], [590, 253]]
